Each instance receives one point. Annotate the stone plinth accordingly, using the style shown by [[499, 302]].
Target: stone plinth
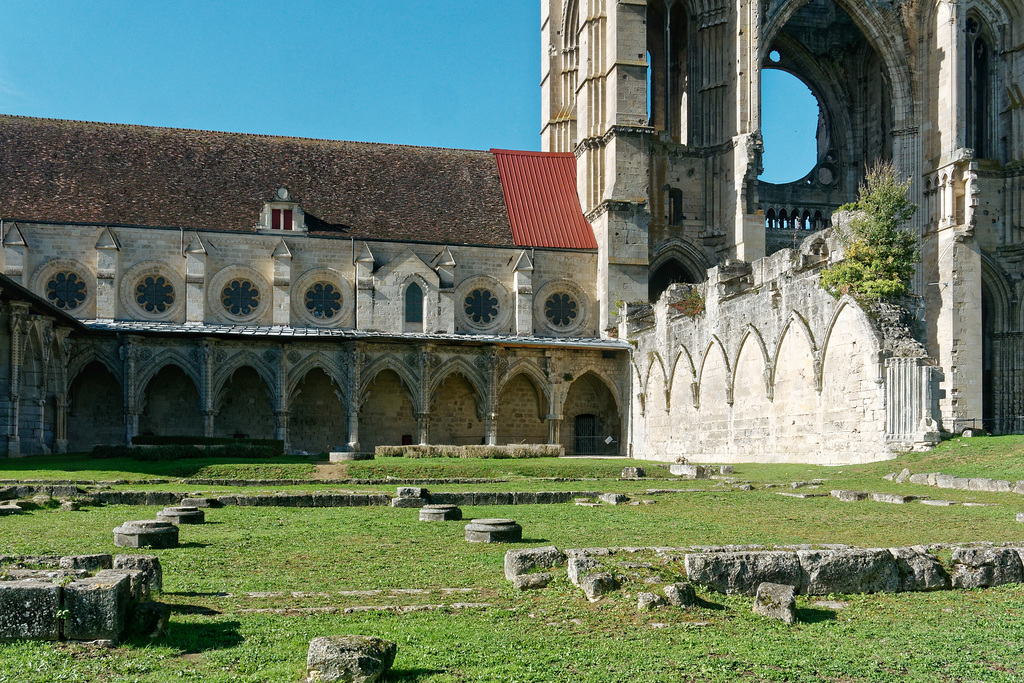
[[348, 456], [147, 533], [182, 515], [493, 531], [440, 513], [690, 471], [349, 658], [28, 609]]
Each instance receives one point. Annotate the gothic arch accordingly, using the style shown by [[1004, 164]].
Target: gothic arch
[[240, 360], [798, 320], [390, 362], [715, 343], [753, 333], [318, 359], [997, 292], [878, 30], [688, 257], [610, 385], [534, 373], [161, 360], [93, 354], [459, 365], [844, 303], [672, 378]]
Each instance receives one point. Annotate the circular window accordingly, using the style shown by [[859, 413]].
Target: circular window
[[561, 309], [154, 294], [240, 297], [65, 290], [481, 306], [323, 300]]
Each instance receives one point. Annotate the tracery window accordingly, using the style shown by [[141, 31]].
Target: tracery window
[[979, 88], [65, 290], [323, 300], [481, 306], [561, 309], [414, 304], [154, 294], [240, 297]]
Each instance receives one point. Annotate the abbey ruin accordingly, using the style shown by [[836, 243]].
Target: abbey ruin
[[338, 296]]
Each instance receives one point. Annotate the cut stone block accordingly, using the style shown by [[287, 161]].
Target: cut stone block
[[902, 476], [200, 502], [92, 563], [938, 503], [891, 498], [493, 531], [149, 565], [776, 601], [1020, 516], [742, 572], [645, 602], [359, 659], [725, 469], [525, 582], [614, 498], [147, 533], [519, 562], [870, 570], [680, 594], [633, 473], [690, 471], [412, 492], [10, 509], [597, 584], [578, 567], [408, 502], [184, 514], [849, 496], [97, 606], [440, 513], [28, 610], [348, 456], [919, 570], [985, 567]]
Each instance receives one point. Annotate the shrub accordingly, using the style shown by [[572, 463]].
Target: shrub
[[880, 254], [506, 452]]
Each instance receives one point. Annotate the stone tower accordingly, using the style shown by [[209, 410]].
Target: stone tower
[[661, 102]]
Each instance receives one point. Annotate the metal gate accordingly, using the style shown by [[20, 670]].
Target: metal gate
[[586, 438]]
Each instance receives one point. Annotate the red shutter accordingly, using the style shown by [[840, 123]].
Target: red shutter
[[287, 225], [275, 219]]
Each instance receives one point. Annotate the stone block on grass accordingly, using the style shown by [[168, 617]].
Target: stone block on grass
[[440, 513], [613, 498], [919, 570], [147, 533], [97, 606], [680, 594], [149, 565], [871, 570], [92, 563], [849, 496], [525, 560], [28, 610], [742, 572], [493, 531], [355, 659], [598, 584], [985, 567], [633, 473], [526, 582], [645, 602], [776, 601], [578, 567]]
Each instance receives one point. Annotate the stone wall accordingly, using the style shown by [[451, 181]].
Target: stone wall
[[775, 370]]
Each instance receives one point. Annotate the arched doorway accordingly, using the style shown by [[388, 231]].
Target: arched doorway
[[171, 405], [318, 421], [668, 273], [95, 409], [590, 418]]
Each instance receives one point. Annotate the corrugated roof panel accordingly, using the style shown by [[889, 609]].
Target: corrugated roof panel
[[541, 200]]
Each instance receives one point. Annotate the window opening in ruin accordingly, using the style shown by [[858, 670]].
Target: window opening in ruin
[[414, 308], [668, 273], [978, 89], [65, 290], [323, 300], [790, 116], [481, 306], [585, 435], [560, 309], [241, 297], [667, 69], [675, 206], [154, 294]]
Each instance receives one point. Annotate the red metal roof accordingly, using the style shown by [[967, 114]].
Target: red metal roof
[[540, 196]]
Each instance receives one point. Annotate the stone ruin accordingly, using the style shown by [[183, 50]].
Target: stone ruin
[[92, 598]]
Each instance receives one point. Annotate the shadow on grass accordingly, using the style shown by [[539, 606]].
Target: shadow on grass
[[194, 609], [704, 604], [411, 674], [194, 638], [193, 544], [533, 540], [195, 594], [809, 615]]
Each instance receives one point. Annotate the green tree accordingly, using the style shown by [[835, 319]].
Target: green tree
[[880, 253]]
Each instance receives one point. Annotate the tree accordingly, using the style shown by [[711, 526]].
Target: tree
[[880, 253]]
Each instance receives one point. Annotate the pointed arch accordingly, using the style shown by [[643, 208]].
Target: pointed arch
[[459, 365], [91, 422], [844, 303], [529, 368], [173, 410], [318, 359], [225, 371], [591, 416], [93, 354], [405, 374], [523, 406], [752, 333], [176, 357], [795, 319]]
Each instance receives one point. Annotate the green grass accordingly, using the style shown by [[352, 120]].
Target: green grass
[[298, 562]]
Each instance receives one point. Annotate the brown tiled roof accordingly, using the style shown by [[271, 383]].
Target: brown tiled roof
[[70, 171]]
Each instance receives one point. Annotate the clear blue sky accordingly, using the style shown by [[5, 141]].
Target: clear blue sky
[[446, 73]]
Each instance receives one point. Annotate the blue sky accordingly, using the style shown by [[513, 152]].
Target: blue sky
[[446, 73]]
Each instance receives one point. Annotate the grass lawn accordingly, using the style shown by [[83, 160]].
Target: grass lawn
[[250, 588]]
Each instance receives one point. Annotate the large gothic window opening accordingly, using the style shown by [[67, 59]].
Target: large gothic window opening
[[979, 89], [667, 70], [791, 123], [414, 308], [668, 273], [387, 416]]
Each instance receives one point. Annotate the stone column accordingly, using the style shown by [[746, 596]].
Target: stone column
[[364, 289], [281, 427], [195, 280], [129, 356], [353, 429], [209, 417], [423, 427], [18, 322], [207, 353], [554, 426], [491, 428], [522, 286]]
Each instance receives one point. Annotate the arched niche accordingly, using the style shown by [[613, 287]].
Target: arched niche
[[95, 409], [171, 405]]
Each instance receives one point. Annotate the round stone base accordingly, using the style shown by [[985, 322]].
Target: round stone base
[[440, 513], [493, 531], [147, 533], [183, 514]]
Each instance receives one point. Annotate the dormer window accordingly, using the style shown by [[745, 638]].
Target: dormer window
[[282, 213]]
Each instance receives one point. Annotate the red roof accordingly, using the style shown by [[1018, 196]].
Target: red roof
[[541, 200]]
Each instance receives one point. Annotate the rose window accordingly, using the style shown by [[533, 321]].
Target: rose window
[[240, 297], [65, 290], [323, 300], [481, 306], [560, 310], [154, 294]]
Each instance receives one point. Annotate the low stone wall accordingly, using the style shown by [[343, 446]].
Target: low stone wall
[[81, 598], [810, 570], [946, 481]]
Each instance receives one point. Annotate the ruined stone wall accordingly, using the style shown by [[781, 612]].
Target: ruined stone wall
[[774, 370]]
